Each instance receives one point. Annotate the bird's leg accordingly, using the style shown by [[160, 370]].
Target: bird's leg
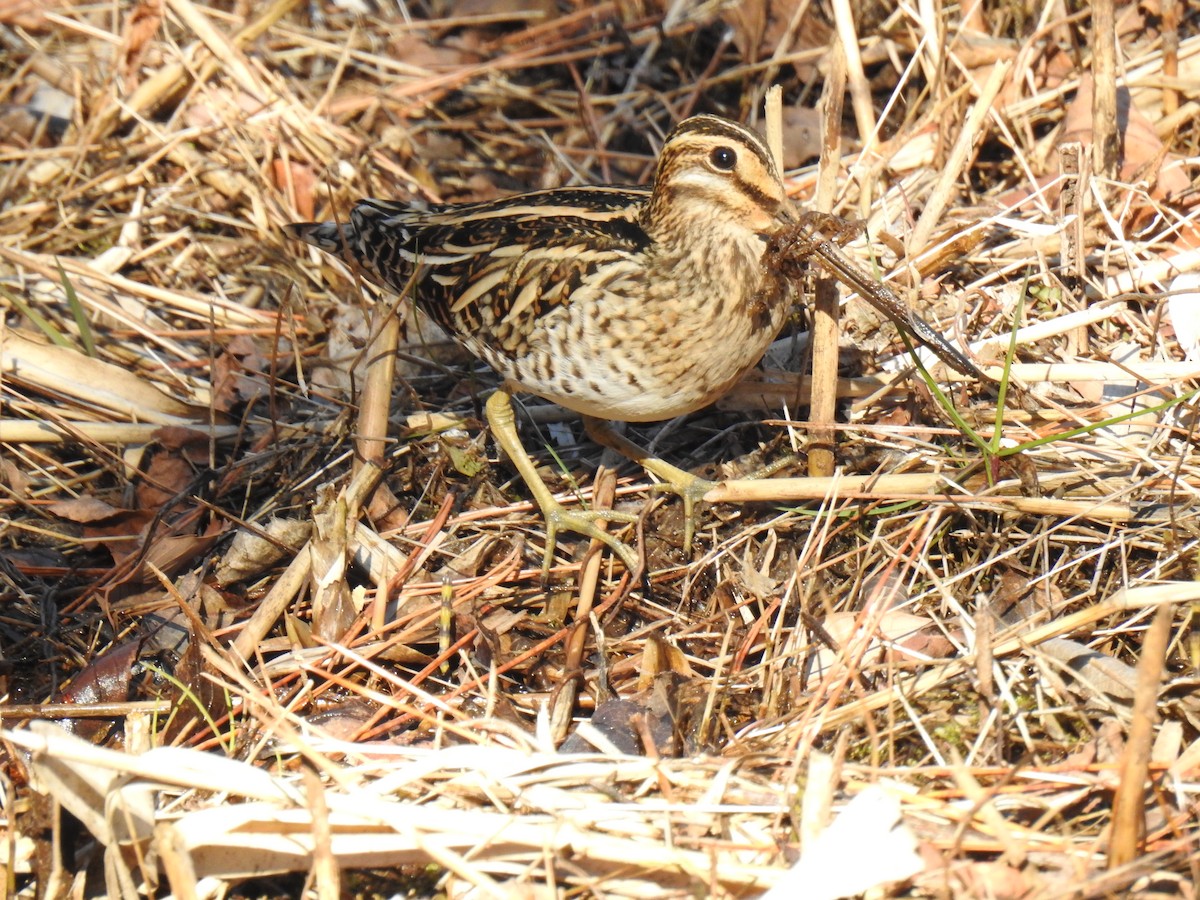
[[503, 423], [690, 488]]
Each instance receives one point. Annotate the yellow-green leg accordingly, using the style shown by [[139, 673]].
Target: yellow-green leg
[[690, 488], [503, 423]]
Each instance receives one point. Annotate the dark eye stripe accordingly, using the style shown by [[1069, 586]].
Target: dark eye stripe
[[762, 198]]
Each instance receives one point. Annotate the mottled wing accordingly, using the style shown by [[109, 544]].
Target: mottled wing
[[491, 269]]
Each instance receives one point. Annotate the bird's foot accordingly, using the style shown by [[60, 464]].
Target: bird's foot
[[688, 487], [584, 522], [558, 518]]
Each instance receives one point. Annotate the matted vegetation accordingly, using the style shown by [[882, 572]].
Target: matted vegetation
[[272, 607]]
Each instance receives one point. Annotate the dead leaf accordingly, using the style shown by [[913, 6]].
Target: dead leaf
[[195, 682], [251, 553], [614, 721], [659, 658], [332, 607], [178, 437], [110, 677], [14, 478], [123, 535], [30, 361], [760, 25], [896, 629], [239, 374], [298, 179], [1016, 600], [1183, 309], [141, 26], [439, 57], [1143, 156], [173, 552], [165, 478], [28, 14], [801, 135], [85, 510], [1095, 671]]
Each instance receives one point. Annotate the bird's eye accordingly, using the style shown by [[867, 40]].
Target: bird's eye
[[723, 158]]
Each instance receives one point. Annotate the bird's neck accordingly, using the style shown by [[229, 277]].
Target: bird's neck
[[677, 222]]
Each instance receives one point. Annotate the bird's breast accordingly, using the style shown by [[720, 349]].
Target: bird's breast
[[654, 340]]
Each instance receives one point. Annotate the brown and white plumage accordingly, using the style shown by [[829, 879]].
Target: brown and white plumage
[[625, 303]]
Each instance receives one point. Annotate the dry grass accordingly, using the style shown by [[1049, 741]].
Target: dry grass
[[308, 597]]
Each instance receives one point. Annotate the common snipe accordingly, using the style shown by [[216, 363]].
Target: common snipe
[[627, 303]]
